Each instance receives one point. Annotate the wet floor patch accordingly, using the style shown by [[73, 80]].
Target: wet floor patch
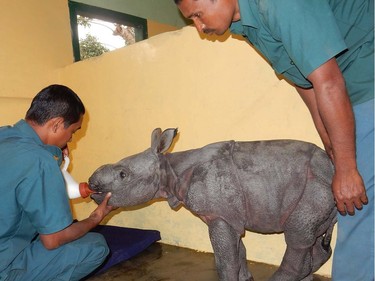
[[161, 262]]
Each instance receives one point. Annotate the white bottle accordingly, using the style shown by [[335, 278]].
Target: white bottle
[[74, 189]]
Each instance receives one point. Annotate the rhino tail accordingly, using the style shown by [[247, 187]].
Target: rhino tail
[[327, 237], [322, 250]]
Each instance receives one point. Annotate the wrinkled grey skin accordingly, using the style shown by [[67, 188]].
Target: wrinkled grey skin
[[262, 186]]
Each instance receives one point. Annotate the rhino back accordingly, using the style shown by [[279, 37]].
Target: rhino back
[[273, 175], [249, 184]]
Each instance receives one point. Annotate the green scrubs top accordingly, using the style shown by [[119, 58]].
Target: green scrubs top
[[297, 36], [33, 194]]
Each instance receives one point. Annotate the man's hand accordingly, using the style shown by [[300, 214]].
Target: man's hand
[[102, 210], [349, 191], [65, 151]]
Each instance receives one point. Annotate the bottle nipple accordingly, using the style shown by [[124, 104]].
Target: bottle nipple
[[74, 189]]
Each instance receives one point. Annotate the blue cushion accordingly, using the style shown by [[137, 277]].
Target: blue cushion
[[124, 243]]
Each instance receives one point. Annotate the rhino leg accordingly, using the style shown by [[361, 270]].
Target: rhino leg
[[229, 252], [244, 272], [311, 220], [310, 277], [302, 259], [322, 250], [295, 266]]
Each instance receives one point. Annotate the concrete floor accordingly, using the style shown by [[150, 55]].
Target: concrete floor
[[161, 262]]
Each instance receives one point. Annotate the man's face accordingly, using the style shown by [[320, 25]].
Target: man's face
[[210, 16], [64, 135]]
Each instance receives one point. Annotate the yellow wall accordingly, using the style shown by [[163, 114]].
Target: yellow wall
[[210, 90], [35, 38], [155, 28]]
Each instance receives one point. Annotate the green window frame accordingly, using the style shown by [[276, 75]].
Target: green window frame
[[75, 8]]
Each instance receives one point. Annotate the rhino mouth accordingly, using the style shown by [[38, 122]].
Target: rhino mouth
[[98, 193], [98, 197]]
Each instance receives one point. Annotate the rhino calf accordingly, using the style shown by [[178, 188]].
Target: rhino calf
[[262, 186]]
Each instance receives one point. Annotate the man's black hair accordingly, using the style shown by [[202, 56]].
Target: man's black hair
[[56, 101]]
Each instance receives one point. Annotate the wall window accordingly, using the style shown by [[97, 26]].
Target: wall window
[[96, 30]]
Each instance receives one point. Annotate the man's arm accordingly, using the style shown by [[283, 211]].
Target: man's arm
[[308, 96], [78, 229], [333, 116]]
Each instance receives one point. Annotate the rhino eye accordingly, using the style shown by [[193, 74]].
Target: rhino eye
[[123, 174]]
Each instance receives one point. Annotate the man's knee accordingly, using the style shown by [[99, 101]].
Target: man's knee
[[71, 261], [92, 250], [95, 246]]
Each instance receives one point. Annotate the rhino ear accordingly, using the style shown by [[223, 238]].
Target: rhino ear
[[164, 142], [155, 139]]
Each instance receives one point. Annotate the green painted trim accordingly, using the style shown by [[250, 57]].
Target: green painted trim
[[160, 11], [75, 9]]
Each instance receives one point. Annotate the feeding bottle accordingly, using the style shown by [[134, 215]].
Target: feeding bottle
[[74, 189]]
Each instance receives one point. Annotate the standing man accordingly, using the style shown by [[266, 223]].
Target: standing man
[[38, 239], [325, 48]]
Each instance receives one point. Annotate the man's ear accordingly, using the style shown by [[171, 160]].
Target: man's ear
[[55, 124]]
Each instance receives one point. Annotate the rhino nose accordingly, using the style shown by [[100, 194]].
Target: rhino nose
[[94, 186]]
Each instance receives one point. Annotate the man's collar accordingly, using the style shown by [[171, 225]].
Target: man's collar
[[28, 131], [247, 8]]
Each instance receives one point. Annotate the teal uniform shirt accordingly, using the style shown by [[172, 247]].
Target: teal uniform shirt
[[33, 194], [297, 36]]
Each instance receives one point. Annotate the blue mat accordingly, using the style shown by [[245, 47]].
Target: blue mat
[[124, 243]]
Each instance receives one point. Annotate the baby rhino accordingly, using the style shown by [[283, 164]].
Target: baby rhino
[[262, 186]]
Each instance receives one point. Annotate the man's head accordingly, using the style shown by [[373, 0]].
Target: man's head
[[210, 16], [56, 113]]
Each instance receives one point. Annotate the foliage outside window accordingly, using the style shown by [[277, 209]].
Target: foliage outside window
[[96, 30]]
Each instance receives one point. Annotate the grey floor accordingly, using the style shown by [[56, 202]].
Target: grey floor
[[161, 262]]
